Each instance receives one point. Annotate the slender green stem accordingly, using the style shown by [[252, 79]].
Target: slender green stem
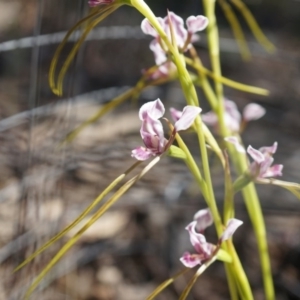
[[213, 44], [206, 171]]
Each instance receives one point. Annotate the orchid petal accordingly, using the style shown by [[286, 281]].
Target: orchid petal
[[198, 241], [204, 219], [231, 227], [141, 153], [257, 156], [178, 27], [269, 150], [210, 118], [273, 171], [187, 118], [190, 260], [94, 3], [234, 140], [253, 112], [175, 114], [154, 109], [152, 133], [195, 238], [195, 24], [232, 110], [265, 165], [159, 54], [147, 28]]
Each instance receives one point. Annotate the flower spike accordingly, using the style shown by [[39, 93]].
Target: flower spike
[[182, 36], [233, 119], [152, 131], [205, 251], [262, 167]]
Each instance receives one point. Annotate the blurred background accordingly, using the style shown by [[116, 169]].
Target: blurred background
[[137, 244]]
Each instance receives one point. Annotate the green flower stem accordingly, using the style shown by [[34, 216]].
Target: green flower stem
[[206, 171], [231, 282], [213, 42], [208, 91], [189, 160], [231, 269], [214, 48], [202, 183], [240, 276], [257, 219], [255, 213]]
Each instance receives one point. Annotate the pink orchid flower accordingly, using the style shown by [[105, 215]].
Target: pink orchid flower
[[94, 3], [152, 131], [232, 116], [184, 37], [262, 167], [234, 140], [205, 250]]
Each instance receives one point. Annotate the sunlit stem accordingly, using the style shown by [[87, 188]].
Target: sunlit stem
[[202, 183], [249, 192], [256, 217], [92, 220], [241, 278], [80, 217], [234, 295], [214, 48], [229, 193], [202, 72], [207, 176], [213, 42]]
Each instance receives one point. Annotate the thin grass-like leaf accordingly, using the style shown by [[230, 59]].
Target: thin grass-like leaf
[[228, 82], [292, 187], [76, 47], [101, 112], [165, 284], [79, 218], [195, 277], [254, 27], [63, 43], [68, 245], [236, 29]]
